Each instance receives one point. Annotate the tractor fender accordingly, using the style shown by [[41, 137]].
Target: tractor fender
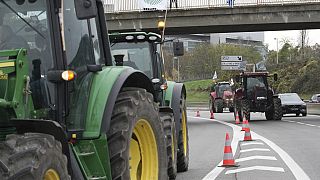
[[128, 78], [177, 90], [104, 89], [213, 95]]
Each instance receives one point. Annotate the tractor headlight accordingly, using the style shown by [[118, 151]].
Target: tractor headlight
[[129, 38], [141, 37]]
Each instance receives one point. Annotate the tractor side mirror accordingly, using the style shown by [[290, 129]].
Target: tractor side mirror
[[237, 78], [85, 9], [178, 49], [275, 77]]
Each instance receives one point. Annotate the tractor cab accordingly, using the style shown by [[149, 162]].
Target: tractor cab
[[26, 56], [141, 51], [223, 89], [255, 85]]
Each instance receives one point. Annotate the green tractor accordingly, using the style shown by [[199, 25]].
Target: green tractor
[[143, 51], [66, 112]]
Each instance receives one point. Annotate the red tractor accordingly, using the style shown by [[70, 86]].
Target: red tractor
[[221, 97]]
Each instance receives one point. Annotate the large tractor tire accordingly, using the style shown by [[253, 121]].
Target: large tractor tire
[[277, 109], [171, 143], [183, 139], [275, 112], [219, 105], [245, 109], [32, 156], [136, 140], [231, 109]]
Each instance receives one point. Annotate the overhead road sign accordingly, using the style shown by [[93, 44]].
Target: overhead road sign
[[231, 58], [232, 63]]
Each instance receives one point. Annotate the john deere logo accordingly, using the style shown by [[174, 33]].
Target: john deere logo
[[3, 76], [152, 2]]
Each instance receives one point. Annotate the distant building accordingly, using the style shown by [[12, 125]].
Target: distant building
[[255, 39]]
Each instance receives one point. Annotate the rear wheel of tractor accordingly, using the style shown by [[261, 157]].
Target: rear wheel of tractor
[[269, 114], [183, 139], [32, 156], [245, 109], [277, 109], [219, 106], [304, 114], [171, 142], [136, 140]]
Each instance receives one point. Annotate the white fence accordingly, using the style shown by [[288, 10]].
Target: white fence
[[112, 6]]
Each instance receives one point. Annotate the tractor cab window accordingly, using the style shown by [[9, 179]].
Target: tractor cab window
[[253, 82], [24, 24], [221, 88], [136, 55], [81, 45]]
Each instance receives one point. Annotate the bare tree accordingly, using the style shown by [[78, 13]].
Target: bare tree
[[304, 40]]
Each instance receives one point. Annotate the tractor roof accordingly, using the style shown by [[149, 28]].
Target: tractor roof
[[224, 82], [134, 37], [254, 74]]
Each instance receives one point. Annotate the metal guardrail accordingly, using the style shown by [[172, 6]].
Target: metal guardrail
[[313, 108], [114, 6]]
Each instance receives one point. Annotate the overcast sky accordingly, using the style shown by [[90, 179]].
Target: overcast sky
[[314, 37]]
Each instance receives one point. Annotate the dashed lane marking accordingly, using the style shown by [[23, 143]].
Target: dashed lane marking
[[264, 168], [254, 149], [312, 125], [271, 158], [251, 143], [296, 170]]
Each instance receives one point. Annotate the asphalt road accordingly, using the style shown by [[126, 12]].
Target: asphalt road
[[286, 149]]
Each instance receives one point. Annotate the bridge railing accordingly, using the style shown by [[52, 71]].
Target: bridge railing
[[114, 6]]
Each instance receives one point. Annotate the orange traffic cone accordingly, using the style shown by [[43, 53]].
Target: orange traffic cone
[[247, 135], [237, 118], [211, 115], [228, 159], [198, 114], [245, 124]]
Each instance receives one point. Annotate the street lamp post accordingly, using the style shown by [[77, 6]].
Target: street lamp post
[[277, 50]]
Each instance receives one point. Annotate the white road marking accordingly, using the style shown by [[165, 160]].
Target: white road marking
[[251, 143], [271, 158], [302, 123], [296, 170], [254, 149], [264, 168]]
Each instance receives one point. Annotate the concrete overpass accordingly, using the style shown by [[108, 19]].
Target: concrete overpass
[[221, 19]]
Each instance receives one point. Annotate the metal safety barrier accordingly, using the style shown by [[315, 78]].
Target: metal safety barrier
[[114, 6], [313, 108]]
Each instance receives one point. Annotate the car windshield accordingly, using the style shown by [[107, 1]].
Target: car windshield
[[136, 55], [289, 97]]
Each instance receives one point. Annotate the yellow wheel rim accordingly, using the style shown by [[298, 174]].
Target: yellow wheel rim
[[184, 132], [51, 174], [143, 152]]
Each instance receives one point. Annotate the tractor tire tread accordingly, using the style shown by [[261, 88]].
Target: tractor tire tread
[[29, 155]]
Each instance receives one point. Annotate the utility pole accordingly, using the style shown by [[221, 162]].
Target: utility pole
[[277, 50]]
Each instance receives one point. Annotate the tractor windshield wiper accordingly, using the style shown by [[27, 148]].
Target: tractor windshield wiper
[[15, 12]]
